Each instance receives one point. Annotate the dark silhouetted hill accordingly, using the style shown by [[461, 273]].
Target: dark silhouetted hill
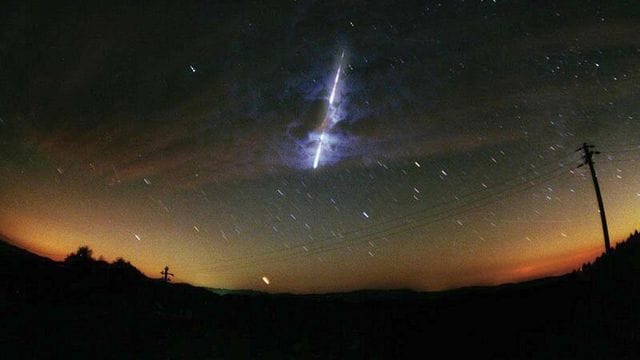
[[84, 307]]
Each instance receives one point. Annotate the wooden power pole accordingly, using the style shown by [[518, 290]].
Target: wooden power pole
[[166, 274], [588, 160]]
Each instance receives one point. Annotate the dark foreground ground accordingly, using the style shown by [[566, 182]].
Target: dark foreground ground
[[71, 310]]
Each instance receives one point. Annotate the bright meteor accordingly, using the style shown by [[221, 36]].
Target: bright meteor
[[335, 82], [328, 120], [318, 151]]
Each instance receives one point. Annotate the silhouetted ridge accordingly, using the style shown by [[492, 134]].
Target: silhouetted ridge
[[623, 261], [83, 307]]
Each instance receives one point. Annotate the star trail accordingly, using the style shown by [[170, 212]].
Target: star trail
[[310, 147]]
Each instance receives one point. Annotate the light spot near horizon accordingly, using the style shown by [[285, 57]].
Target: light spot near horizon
[[454, 154]]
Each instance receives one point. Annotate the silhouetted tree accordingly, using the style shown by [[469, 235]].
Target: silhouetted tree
[[83, 256], [124, 269], [121, 263]]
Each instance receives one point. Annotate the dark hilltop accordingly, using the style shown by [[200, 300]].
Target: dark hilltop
[[84, 307]]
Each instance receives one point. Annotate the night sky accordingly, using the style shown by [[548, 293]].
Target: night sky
[[182, 133]]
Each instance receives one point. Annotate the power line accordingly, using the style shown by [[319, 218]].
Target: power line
[[619, 151], [621, 160], [346, 243], [400, 228], [408, 218], [448, 215]]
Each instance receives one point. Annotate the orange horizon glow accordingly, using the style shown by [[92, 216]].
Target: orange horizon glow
[[553, 265], [515, 239]]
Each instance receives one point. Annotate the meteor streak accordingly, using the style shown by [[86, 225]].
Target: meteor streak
[[335, 82], [328, 119], [318, 151]]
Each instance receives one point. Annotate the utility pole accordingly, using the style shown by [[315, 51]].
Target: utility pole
[[588, 160], [166, 274]]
